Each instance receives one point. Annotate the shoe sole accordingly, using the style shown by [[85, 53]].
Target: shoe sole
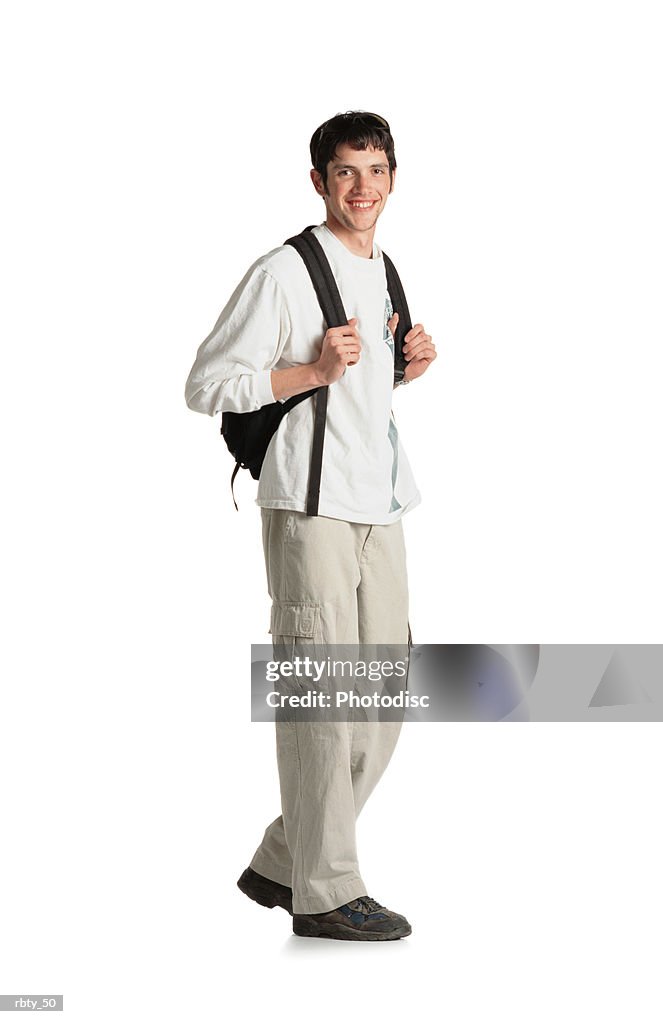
[[311, 930], [263, 895]]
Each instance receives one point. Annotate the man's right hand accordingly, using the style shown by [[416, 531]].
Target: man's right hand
[[341, 347]]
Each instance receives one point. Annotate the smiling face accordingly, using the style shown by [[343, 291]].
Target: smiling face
[[358, 185]]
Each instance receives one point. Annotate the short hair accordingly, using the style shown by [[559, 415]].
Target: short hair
[[359, 129]]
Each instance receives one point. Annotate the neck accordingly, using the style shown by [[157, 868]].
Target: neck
[[359, 243]]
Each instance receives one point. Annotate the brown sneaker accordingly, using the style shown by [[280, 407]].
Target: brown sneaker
[[362, 919], [264, 891]]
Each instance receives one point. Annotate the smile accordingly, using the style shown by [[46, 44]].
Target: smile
[[361, 204]]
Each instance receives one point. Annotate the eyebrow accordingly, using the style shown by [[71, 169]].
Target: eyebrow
[[353, 167]]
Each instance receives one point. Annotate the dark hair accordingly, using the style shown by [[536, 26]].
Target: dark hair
[[357, 128]]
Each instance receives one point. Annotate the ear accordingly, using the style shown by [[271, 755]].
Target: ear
[[393, 180], [316, 178]]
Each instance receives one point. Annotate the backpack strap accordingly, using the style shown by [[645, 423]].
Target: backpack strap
[[326, 289], [399, 304], [232, 483]]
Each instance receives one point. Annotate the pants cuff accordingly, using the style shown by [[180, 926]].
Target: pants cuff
[[349, 890], [268, 869]]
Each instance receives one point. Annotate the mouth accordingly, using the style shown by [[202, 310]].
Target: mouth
[[362, 204]]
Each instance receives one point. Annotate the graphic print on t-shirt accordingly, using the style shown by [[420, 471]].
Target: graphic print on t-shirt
[[393, 433]]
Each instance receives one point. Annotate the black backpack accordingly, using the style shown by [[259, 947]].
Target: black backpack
[[247, 434]]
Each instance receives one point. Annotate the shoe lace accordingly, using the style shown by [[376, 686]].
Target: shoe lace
[[366, 905]]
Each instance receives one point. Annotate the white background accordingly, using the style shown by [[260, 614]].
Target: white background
[[151, 153]]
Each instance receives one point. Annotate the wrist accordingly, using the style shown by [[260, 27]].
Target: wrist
[[317, 380], [293, 380]]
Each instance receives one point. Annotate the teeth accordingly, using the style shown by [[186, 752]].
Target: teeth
[[363, 206]]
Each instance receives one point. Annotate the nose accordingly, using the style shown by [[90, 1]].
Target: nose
[[362, 185]]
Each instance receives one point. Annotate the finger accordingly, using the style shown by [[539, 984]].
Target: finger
[[351, 325], [424, 347], [421, 339], [345, 344], [428, 353], [413, 334], [347, 331], [417, 329], [414, 346]]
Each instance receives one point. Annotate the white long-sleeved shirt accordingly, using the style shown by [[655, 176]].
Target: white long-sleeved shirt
[[273, 320]]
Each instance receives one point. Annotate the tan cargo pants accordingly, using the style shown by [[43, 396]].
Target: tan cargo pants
[[330, 581]]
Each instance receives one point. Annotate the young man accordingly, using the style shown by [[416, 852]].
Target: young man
[[338, 577]]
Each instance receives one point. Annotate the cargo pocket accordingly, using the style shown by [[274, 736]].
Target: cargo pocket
[[292, 623], [295, 629]]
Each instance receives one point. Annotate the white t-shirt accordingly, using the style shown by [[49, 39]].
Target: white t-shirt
[[273, 320]]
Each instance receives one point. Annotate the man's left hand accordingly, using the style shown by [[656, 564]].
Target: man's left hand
[[418, 349]]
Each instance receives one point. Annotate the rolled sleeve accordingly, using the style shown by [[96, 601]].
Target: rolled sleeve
[[263, 388]]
